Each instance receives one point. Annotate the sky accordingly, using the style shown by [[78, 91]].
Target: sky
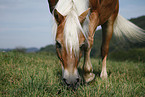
[[28, 23]]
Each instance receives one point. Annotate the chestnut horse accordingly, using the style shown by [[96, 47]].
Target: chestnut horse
[[74, 28]]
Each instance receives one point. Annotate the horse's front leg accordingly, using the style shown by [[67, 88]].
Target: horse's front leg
[[88, 70], [87, 67]]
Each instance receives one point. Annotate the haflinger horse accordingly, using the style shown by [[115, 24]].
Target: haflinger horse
[[75, 23]]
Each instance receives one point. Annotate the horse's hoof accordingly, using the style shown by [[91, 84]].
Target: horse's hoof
[[103, 75], [89, 77]]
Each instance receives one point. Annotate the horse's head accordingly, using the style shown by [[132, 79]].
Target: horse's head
[[70, 42]]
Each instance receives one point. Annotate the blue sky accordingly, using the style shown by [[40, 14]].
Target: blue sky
[[28, 23]]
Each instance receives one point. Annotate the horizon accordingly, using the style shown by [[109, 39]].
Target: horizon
[[24, 25]]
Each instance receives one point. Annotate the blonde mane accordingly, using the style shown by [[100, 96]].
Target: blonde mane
[[72, 9]]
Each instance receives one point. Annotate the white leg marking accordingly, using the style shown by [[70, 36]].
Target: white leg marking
[[104, 72]]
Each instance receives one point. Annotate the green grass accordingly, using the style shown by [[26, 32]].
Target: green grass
[[33, 75]]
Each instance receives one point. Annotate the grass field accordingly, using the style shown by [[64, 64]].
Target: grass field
[[39, 75]]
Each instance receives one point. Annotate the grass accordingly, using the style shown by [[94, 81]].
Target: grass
[[31, 75]]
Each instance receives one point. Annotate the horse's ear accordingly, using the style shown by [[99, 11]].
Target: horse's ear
[[58, 17], [82, 17], [52, 4]]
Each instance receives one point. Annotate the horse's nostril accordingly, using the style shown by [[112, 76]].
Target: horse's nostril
[[71, 82], [78, 79], [64, 80]]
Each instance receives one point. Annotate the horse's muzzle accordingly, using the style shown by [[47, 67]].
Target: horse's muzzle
[[72, 82]]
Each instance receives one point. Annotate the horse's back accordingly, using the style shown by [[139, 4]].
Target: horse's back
[[104, 8], [107, 8]]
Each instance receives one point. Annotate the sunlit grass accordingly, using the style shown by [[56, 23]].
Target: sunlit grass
[[33, 75]]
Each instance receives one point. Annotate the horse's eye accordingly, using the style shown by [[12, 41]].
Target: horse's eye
[[81, 47], [58, 45], [84, 46]]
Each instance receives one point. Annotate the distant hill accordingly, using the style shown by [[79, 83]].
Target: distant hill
[[115, 45], [48, 48], [27, 50], [140, 21], [5, 50], [33, 49]]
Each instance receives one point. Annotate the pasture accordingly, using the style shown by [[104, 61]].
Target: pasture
[[39, 75]]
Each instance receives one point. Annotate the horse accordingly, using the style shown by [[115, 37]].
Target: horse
[[75, 23]]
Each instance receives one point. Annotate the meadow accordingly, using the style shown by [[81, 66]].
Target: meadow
[[39, 75]]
